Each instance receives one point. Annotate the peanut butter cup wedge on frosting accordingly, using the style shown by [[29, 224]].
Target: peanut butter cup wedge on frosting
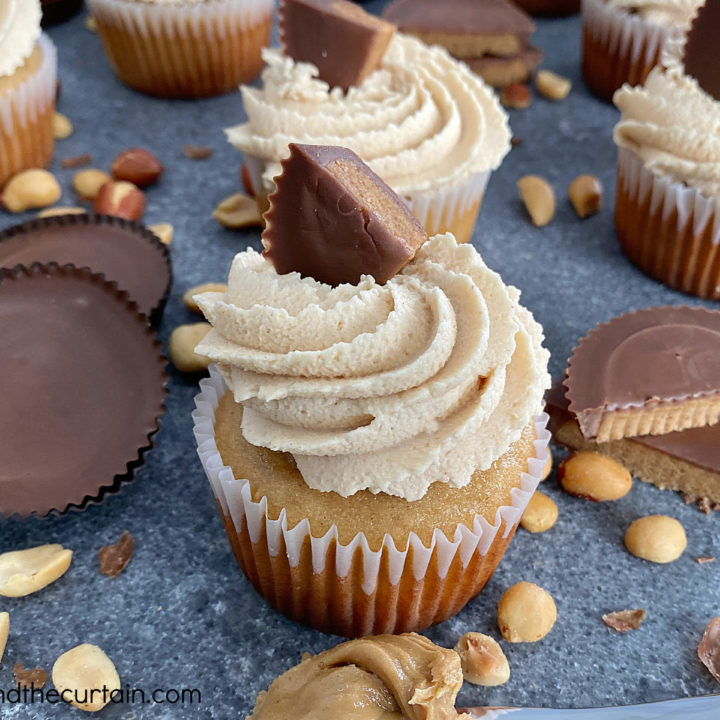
[[372, 442]]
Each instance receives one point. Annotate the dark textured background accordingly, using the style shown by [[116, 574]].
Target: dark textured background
[[183, 616]]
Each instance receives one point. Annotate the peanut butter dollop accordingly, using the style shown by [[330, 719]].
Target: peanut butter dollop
[[386, 677]]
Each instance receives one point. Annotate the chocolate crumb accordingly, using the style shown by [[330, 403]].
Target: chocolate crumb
[[29, 677], [709, 648], [197, 152], [625, 620], [704, 559], [689, 499], [516, 141], [77, 161], [114, 558]]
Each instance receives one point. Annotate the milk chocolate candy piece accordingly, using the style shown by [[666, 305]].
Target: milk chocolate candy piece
[[343, 41], [333, 219], [702, 48]]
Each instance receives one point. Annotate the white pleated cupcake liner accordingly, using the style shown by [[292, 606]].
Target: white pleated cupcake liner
[[29, 100], [234, 497], [214, 19]]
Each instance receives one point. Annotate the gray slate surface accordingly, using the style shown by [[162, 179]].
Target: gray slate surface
[[182, 615]]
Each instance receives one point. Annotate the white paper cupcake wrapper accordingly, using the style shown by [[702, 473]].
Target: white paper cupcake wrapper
[[234, 496], [666, 196], [212, 19], [624, 33], [34, 96]]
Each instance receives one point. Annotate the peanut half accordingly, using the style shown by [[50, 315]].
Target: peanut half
[[539, 198], [121, 199], [482, 659], [515, 96], [188, 296], [540, 514], [238, 211], [29, 189], [4, 631], [62, 127], [138, 166], [657, 538], [163, 231], [586, 194], [551, 85], [181, 347], [23, 572], [86, 677], [588, 474], [87, 183], [62, 210], [526, 613]]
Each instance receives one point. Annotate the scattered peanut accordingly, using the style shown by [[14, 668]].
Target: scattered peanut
[[181, 347], [551, 85], [516, 96], [238, 211], [483, 661], [138, 166], [586, 194], [61, 125], [526, 613], [30, 189], [4, 631], [87, 183], [588, 474], [90, 23], [548, 467], [656, 538], [86, 677], [23, 572], [164, 232], [190, 303], [121, 199], [540, 514], [60, 210], [539, 199]]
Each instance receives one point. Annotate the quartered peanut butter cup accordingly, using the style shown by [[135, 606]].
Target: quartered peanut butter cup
[[124, 252], [82, 388]]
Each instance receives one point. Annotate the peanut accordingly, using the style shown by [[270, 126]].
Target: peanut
[[238, 211], [60, 210], [164, 232], [4, 632], [539, 199], [90, 23], [188, 296], [551, 85], [23, 572], [87, 183], [181, 347], [482, 659], [586, 194], [588, 474], [540, 514], [30, 189], [526, 613], [657, 538], [120, 199], [61, 126], [86, 677], [516, 96], [138, 166]]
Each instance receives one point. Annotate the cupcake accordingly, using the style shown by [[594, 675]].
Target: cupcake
[[28, 76], [183, 48], [423, 121], [623, 39], [55, 11], [667, 211], [371, 446]]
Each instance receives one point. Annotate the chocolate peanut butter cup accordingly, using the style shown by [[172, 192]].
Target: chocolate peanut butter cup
[[124, 252], [82, 388], [649, 372]]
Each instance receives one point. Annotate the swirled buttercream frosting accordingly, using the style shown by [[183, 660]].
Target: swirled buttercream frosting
[[19, 31], [673, 125], [421, 121], [388, 388], [665, 13]]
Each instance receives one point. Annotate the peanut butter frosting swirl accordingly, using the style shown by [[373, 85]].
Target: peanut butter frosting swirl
[[386, 677], [664, 13], [421, 121], [381, 387], [673, 125], [19, 31]]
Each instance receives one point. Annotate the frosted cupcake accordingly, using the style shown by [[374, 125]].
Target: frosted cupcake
[[623, 40], [668, 189], [28, 75], [184, 48], [371, 446], [423, 121]]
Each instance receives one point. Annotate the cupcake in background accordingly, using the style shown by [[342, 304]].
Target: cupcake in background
[[371, 429], [623, 40], [28, 76], [422, 120], [55, 11], [184, 48], [668, 188]]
